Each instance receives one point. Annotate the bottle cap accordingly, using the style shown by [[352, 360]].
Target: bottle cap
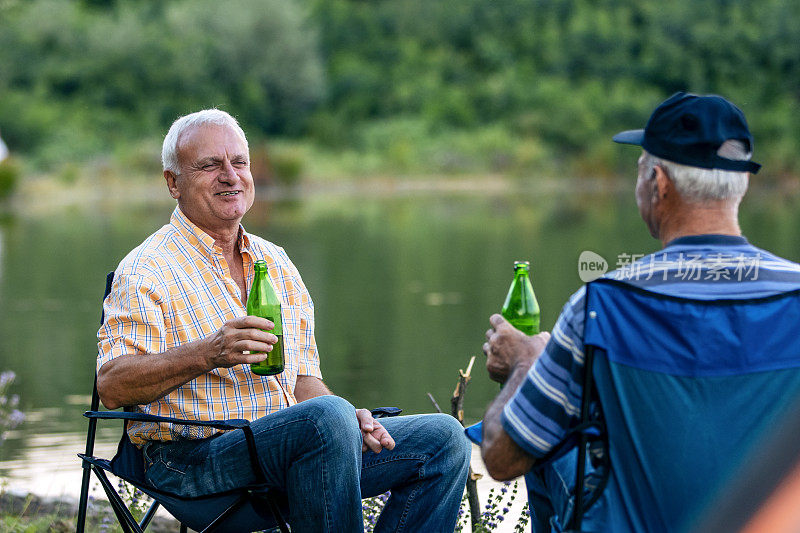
[[518, 264]]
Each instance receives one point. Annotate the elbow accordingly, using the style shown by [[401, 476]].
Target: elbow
[[105, 391], [504, 460], [110, 404], [500, 470]]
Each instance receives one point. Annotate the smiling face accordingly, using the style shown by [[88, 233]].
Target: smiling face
[[214, 188]]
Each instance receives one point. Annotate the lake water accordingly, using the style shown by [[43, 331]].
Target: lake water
[[403, 279]]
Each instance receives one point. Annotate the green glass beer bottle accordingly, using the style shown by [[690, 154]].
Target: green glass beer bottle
[[263, 302], [521, 307]]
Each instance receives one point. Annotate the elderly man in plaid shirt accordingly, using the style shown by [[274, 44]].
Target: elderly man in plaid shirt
[[177, 342]]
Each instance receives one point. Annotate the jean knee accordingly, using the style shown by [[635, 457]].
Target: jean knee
[[453, 440], [334, 418]]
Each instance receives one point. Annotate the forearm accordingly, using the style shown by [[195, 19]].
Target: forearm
[[503, 458], [307, 387], [140, 379]]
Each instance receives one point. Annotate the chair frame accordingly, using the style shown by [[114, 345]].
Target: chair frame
[[581, 505]]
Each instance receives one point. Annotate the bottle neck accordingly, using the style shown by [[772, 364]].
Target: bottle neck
[[260, 267], [521, 272]]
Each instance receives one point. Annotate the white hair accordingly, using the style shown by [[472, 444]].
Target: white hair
[[696, 184], [169, 151]]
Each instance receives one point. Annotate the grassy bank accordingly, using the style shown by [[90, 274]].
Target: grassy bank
[[31, 514]]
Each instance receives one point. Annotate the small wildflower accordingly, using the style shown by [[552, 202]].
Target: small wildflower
[[496, 510], [6, 378], [10, 416]]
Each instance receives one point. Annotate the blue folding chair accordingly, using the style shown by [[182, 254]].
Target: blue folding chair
[[687, 389]]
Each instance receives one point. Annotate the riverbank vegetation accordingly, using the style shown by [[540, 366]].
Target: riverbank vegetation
[[331, 88]]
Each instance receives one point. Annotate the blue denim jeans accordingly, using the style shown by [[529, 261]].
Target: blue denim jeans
[[551, 501], [312, 452]]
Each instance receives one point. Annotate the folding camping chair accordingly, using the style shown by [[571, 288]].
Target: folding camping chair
[[688, 389], [251, 508]]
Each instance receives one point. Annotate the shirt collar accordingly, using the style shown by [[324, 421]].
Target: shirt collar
[[200, 239], [708, 239]]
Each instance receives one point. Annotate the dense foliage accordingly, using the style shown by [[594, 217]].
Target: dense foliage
[[77, 76], [358, 74], [567, 72]]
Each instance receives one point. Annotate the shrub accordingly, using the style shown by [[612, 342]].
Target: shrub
[[9, 177]]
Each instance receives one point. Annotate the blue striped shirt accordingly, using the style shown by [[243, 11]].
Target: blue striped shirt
[[708, 267]]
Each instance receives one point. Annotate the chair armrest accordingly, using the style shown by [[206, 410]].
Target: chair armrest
[[233, 423], [384, 412]]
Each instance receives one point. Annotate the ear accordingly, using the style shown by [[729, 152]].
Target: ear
[[665, 186], [172, 184]]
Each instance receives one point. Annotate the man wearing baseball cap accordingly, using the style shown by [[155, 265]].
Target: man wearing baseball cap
[[692, 175]]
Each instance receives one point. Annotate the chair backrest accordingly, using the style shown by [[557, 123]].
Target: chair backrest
[[687, 388], [92, 430]]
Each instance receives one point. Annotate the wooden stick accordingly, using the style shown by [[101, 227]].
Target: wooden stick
[[469, 368], [433, 401], [457, 410]]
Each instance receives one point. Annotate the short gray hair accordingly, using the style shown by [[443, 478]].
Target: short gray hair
[[696, 184], [169, 151]]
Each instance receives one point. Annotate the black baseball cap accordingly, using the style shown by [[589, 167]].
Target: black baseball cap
[[689, 129]]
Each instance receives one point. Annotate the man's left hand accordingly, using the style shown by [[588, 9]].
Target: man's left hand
[[375, 437]]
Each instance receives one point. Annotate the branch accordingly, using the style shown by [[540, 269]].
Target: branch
[[457, 410], [433, 401]]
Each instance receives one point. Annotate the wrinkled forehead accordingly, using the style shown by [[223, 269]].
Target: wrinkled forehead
[[210, 140]]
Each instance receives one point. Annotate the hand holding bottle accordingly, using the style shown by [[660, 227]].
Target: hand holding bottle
[[507, 347], [240, 340], [518, 319], [514, 337]]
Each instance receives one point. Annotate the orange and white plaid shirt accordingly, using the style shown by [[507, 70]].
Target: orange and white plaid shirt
[[176, 287]]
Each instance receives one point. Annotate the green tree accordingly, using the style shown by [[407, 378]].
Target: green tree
[[77, 76]]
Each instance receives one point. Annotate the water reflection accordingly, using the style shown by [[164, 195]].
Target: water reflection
[[403, 288], [2, 251], [48, 465]]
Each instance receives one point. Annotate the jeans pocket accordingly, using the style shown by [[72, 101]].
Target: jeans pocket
[[147, 454], [161, 471], [174, 466]]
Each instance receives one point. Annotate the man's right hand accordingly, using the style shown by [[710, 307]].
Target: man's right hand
[[506, 347], [227, 347], [136, 380]]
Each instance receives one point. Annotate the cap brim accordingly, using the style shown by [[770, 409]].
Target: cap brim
[[629, 137]]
